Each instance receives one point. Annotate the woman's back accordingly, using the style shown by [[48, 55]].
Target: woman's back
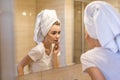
[[107, 61]]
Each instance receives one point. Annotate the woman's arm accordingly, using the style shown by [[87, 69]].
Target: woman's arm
[[25, 61], [56, 63], [95, 73], [55, 58]]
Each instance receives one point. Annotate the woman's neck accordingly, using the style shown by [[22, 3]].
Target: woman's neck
[[47, 45]]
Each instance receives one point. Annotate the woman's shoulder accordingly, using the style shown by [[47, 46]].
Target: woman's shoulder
[[37, 52], [93, 50], [39, 47], [96, 51]]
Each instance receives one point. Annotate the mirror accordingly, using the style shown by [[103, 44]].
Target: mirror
[[70, 12], [25, 16]]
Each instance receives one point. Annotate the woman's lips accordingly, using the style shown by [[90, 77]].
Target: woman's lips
[[56, 41]]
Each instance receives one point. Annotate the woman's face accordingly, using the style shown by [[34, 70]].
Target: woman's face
[[53, 35], [92, 42]]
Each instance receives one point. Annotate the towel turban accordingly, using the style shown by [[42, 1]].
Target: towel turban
[[102, 22], [44, 21]]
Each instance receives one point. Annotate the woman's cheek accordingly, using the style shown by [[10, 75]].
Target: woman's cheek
[[51, 39]]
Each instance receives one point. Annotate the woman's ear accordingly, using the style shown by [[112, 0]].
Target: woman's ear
[[91, 41], [86, 35]]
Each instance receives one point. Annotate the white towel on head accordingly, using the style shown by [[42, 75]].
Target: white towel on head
[[45, 19], [102, 22]]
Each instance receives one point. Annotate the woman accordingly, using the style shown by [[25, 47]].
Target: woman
[[102, 24], [45, 54]]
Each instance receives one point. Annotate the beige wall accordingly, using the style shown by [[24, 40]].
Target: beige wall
[[69, 30], [25, 12]]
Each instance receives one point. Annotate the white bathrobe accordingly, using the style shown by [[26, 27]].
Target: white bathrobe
[[102, 22], [107, 61], [42, 61]]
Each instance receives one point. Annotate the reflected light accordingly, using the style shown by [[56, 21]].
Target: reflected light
[[30, 14], [24, 13]]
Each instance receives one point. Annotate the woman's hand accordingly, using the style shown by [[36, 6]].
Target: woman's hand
[[55, 60], [25, 61], [56, 49]]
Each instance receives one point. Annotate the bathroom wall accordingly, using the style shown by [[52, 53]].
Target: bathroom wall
[[69, 31], [25, 12]]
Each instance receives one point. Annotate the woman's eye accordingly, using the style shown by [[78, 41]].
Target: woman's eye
[[54, 33], [59, 32]]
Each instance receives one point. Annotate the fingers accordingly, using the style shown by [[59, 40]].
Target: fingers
[[56, 46]]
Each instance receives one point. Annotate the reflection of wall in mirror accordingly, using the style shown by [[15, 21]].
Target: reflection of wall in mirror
[[80, 44]]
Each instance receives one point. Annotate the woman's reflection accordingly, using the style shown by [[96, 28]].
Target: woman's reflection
[[46, 34]]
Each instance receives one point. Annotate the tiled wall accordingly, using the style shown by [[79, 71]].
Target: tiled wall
[[25, 12], [69, 30]]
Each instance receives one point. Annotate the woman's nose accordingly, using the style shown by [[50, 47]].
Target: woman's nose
[[57, 35]]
